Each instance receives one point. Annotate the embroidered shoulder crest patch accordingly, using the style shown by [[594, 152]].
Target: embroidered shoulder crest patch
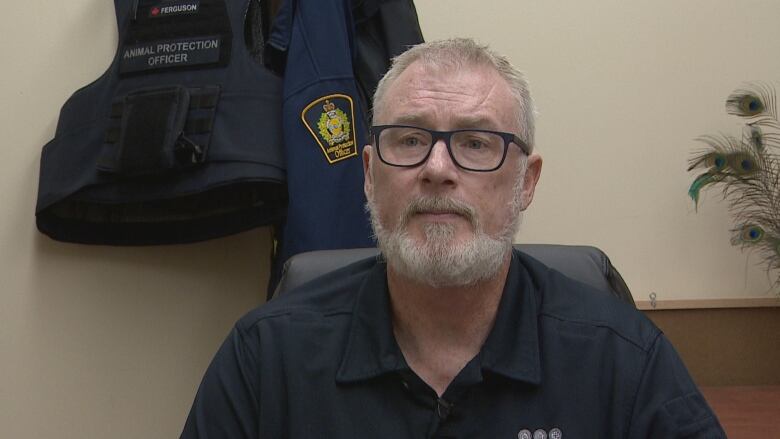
[[329, 120]]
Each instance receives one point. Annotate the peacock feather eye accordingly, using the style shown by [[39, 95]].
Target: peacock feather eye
[[742, 163], [719, 162], [745, 104], [748, 234]]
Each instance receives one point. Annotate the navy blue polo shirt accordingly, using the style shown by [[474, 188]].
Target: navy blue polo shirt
[[562, 361]]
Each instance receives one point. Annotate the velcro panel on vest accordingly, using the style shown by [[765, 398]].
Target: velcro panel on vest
[[158, 130], [151, 124]]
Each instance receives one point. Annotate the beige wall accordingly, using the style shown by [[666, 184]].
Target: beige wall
[[623, 88], [96, 342], [111, 342]]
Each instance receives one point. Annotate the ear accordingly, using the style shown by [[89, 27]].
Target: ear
[[532, 173], [368, 182]]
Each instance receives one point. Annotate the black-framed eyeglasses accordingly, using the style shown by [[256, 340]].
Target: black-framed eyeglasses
[[474, 150]]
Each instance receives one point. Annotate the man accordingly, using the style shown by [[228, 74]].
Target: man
[[451, 333]]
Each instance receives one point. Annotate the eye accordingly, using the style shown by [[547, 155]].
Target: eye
[[475, 144], [410, 141], [474, 141]]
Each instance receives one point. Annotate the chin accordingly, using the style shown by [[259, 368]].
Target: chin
[[441, 253], [434, 236], [442, 259]]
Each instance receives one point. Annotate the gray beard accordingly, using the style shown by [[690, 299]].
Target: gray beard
[[439, 261]]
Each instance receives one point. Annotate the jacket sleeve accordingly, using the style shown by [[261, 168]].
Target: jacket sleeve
[[226, 405], [668, 404]]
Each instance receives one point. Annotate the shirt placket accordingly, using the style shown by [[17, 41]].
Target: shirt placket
[[448, 412]]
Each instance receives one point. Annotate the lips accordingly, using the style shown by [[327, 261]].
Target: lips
[[439, 208], [439, 216], [441, 213]]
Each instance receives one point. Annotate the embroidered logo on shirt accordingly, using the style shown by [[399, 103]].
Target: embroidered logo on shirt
[[329, 120], [525, 433]]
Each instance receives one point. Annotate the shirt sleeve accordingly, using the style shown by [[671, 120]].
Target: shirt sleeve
[[226, 405], [668, 404]]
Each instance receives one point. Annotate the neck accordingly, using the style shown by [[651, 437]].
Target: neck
[[441, 329]]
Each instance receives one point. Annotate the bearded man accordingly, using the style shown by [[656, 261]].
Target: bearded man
[[451, 333]]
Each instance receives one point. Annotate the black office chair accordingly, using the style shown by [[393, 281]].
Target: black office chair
[[586, 264]]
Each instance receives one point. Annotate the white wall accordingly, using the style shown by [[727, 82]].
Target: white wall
[[111, 342]]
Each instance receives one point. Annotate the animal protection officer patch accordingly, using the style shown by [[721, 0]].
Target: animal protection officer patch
[[329, 120]]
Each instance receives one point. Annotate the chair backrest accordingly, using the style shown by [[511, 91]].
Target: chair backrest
[[586, 264]]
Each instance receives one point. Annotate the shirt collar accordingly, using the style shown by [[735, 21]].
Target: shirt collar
[[511, 349], [371, 347]]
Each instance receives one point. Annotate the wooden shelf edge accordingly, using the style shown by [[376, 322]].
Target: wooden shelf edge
[[748, 302]]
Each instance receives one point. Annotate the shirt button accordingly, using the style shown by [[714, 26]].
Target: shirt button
[[443, 409]]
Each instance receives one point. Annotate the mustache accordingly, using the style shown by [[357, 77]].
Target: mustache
[[438, 204]]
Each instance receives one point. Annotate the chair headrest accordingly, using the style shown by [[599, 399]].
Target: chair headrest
[[586, 264]]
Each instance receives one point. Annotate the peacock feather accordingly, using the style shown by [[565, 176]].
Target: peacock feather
[[756, 100], [746, 170]]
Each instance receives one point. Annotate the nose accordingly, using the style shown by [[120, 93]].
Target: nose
[[439, 168]]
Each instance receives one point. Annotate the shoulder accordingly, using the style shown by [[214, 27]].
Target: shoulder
[[577, 305], [328, 296]]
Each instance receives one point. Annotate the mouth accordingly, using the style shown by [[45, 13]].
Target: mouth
[[439, 210], [439, 215]]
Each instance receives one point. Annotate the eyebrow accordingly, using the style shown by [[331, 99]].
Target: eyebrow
[[475, 122], [411, 119], [464, 122]]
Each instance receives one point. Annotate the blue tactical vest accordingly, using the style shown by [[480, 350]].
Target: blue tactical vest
[[179, 141]]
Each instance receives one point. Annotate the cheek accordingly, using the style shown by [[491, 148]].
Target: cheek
[[388, 199], [495, 202]]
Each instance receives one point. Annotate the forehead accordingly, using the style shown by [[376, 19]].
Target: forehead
[[450, 98]]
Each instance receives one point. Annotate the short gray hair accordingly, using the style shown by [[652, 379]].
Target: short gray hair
[[464, 52]]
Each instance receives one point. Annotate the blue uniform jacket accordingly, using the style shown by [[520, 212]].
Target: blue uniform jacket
[[324, 128]]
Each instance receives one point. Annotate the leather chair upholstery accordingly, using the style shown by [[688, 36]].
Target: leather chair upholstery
[[586, 264]]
